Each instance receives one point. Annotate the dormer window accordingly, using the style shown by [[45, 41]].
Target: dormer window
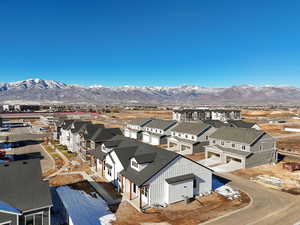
[[134, 164]]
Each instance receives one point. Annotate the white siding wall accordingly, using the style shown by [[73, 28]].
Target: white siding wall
[[181, 166]]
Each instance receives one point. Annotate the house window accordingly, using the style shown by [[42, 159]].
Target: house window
[[109, 171], [194, 183], [134, 164], [206, 137], [193, 137], [222, 142], [244, 147], [186, 136], [260, 147], [134, 188], [145, 191], [214, 141], [34, 219], [233, 145]]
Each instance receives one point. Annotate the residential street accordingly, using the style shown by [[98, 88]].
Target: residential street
[[26, 144], [268, 206]]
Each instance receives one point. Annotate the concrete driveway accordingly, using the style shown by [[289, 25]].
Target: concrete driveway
[[268, 207]]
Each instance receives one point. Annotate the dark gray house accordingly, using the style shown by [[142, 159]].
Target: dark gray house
[[24, 198], [246, 146], [189, 138]]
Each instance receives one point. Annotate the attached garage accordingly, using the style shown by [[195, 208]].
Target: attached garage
[[155, 140], [127, 133], [133, 135], [146, 137], [179, 188], [212, 154]]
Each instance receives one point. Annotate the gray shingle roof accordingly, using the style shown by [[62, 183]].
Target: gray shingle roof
[[234, 151], [191, 128], [139, 121], [159, 157], [173, 180], [240, 123], [161, 124], [78, 124], [216, 123], [242, 135], [67, 124], [22, 186]]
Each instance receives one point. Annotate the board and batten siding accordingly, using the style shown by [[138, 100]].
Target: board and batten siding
[[158, 187]]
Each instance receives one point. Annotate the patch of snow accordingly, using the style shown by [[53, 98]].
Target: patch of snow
[[228, 192]]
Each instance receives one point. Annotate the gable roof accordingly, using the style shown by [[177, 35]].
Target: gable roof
[[191, 128], [156, 157], [161, 124], [90, 129], [105, 134], [240, 123], [139, 121], [78, 124], [216, 123], [242, 135], [67, 124], [22, 187]]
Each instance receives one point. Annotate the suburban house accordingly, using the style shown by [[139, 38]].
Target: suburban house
[[246, 146], [185, 115], [135, 127], [24, 198], [74, 143], [64, 138], [157, 131], [243, 124], [189, 138], [149, 176], [93, 135], [58, 123]]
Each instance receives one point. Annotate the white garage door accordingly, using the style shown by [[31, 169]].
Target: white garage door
[[155, 140], [179, 190], [146, 138], [127, 133], [134, 135]]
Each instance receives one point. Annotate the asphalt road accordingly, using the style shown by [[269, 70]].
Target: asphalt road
[[268, 206], [27, 145]]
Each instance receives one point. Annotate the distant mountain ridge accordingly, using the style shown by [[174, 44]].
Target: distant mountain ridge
[[43, 91]]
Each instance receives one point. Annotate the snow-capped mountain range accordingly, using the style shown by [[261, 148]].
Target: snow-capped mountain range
[[39, 90]]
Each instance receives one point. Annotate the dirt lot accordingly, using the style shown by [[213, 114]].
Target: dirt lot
[[196, 156], [292, 143], [61, 180], [119, 119], [198, 211], [291, 180], [267, 113]]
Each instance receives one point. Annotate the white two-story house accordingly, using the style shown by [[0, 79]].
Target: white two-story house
[[247, 146], [189, 138], [157, 131], [134, 128]]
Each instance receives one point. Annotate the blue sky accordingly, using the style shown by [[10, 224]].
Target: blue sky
[[157, 42]]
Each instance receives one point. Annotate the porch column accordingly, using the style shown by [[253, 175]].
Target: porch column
[[141, 197], [103, 164], [130, 190], [122, 184]]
